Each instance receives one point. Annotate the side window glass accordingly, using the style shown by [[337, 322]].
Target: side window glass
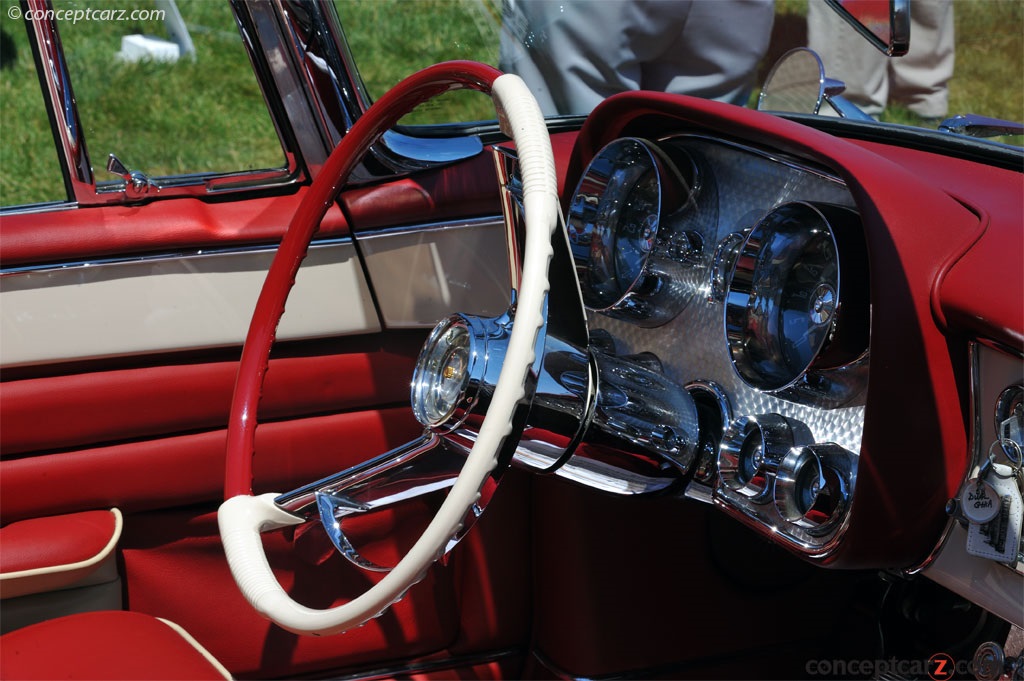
[[391, 39], [29, 167], [167, 87]]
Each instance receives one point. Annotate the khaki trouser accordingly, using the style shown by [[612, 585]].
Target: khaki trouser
[[919, 80]]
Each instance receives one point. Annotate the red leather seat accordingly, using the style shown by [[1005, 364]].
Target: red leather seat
[[105, 645]]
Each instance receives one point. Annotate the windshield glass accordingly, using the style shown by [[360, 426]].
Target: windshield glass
[[964, 57]]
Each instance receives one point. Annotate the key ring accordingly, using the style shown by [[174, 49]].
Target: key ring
[[1016, 459], [1012, 451]]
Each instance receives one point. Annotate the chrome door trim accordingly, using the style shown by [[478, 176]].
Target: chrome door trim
[[96, 262]]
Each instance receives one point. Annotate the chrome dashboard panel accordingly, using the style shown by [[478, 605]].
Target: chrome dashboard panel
[[737, 186]]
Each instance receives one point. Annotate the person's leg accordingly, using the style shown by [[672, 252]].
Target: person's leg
[[715, 55], [572, 53], [920, 80], [848, 57]]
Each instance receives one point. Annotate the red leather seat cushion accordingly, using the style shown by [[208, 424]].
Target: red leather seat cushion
[[102, 645]]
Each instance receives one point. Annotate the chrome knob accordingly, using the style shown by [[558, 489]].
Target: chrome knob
[[752, 448], [812, 485], [989, 662]]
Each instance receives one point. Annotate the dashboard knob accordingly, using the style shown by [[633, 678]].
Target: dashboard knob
[[812, 485], [752, 448], [989, 663]]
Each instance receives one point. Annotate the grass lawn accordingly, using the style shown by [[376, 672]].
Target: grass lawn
[[208, 115]]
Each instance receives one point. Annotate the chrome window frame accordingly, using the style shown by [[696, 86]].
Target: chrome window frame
[[81, 186], [313, 92]]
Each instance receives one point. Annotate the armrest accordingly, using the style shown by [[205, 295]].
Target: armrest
[[57, 552]]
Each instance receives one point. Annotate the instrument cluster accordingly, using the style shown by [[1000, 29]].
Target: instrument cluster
[[745, 272]]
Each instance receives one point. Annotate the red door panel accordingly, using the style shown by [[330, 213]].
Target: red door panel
[[146, 434]]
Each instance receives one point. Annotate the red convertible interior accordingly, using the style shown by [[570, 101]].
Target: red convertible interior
[[709, 395]]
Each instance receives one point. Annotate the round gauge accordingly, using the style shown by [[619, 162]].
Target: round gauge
[[783, 297], [627, 258]]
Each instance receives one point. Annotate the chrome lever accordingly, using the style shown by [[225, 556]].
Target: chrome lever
[[136, 183]]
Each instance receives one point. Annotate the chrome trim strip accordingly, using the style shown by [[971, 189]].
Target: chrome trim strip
[[975, 379], [426, 227], [260, 26], [203, 184], [33, 208], [767, 155], [303, 32], [230, 250], [1001, 347], [60, 101]]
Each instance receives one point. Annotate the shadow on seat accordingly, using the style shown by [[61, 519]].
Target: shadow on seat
[[114, 644]]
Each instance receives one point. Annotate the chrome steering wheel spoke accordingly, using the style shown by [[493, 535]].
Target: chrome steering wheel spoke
[[431, 463]]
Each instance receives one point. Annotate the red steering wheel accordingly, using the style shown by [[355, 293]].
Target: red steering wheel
[[243, 516]]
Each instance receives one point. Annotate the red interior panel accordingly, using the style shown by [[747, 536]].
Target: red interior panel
[[115, 405], [102, 645], [166, 226], [175, 568], [468, 189], [55, 540], [189, 469], [636, 584], [978, 293]]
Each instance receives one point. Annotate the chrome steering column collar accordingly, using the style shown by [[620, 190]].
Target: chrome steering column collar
[[614, 423]]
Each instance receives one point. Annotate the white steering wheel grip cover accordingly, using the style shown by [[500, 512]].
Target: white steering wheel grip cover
[[242, 518]]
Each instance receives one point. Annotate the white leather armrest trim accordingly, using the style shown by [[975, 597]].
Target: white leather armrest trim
[[54, 577]]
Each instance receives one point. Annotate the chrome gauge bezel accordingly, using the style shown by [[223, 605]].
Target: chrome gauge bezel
[[628, 257], [814, 487], [787, 301], [795, 240]]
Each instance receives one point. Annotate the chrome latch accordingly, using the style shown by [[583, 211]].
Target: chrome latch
[[136, 183]]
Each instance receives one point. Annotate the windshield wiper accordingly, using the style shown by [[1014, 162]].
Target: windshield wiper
[[974, 125]]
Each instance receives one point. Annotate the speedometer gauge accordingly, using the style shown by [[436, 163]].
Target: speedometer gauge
[[628, 259], [783, 302]]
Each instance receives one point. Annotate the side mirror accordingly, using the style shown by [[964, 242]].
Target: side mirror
[[796, 83], [885, 23]]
